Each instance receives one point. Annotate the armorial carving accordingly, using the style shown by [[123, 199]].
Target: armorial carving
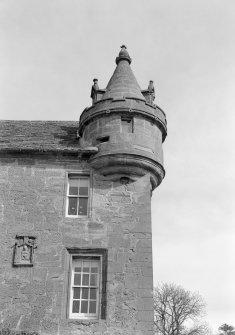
[[23, 250]]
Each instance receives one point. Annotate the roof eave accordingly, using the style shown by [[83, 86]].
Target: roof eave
[[82, 151]]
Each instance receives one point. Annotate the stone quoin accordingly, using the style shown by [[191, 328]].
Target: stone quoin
[[75, 215]]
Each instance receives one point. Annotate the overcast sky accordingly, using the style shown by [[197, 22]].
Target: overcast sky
[[52, 49]]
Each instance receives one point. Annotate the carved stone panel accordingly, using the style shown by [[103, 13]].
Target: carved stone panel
[[23, 250]]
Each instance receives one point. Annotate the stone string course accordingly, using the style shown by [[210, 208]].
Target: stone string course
[[33, 300]]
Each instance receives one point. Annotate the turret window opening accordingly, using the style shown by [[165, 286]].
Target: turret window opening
[[102, 139], [127, 124], [78, 195]]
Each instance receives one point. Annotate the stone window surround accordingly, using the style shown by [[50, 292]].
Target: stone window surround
[[89, 253], [79, 174]]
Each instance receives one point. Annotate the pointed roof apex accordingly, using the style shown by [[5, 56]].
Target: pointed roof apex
[[123, 55], [123, 82]]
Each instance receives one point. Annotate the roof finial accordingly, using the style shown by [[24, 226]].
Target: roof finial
[[123, 55]]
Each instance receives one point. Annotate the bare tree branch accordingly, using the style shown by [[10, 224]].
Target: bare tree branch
[[176, 309]]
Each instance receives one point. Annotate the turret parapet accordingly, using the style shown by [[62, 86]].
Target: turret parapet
[[126, 126], [149, 94], [96, 93]]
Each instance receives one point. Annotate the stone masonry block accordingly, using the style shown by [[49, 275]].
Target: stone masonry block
[[147, 271], [140, 257], [132, 281], [145, 316], [144, 292], [145, 304], [145, 326], [144, 243]]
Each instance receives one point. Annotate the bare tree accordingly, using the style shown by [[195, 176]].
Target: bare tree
[[226, 329], [177, 311]]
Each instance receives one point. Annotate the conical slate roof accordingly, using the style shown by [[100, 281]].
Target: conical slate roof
[[122, 95], [123, 82]]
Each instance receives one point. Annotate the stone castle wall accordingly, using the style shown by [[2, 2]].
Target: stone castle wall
[[143, 139], [32, 200]]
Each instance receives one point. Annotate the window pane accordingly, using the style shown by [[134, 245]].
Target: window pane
[[73, 187], [72, 208], [73, 190], [76, 304], [92, 308], [85, 293], [93, 293], [93, 280], [86, 264], [82, 206], [94, 266], [84, 306], [76, 293], [83, 191], [83, 182], [86, 270], [77, 263], [85, 280], [77, 279], [83, 186]]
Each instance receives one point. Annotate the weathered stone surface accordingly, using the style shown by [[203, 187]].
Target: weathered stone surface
[[33, 195]]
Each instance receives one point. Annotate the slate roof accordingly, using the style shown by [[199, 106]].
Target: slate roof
[[42, 136], [123, 82]]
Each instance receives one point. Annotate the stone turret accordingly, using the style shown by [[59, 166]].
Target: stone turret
[[126, 126]]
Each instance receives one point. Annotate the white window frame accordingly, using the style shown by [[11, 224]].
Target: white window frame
[[79, 175], [85, 316]]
